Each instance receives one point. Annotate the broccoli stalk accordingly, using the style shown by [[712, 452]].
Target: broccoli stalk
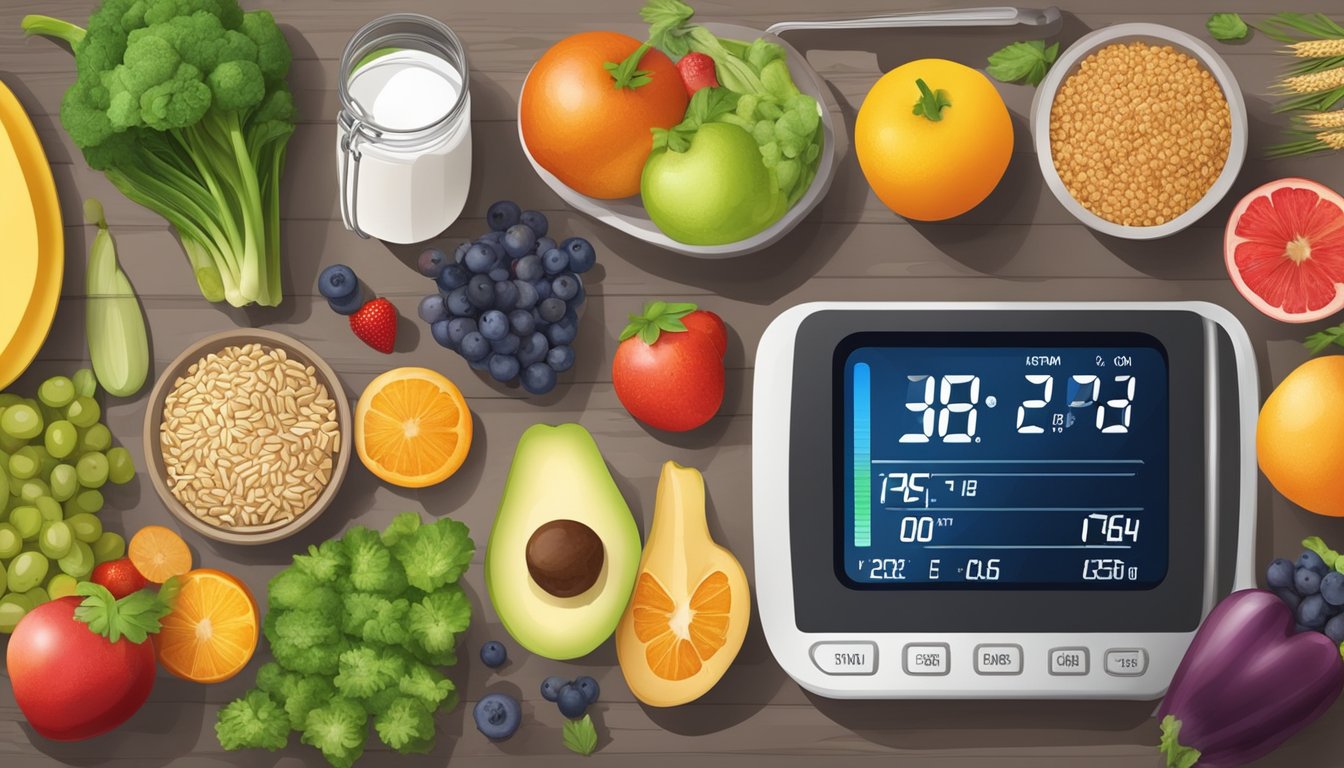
[[183, 105]]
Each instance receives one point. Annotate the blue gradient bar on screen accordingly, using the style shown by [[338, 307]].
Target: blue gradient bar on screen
[[863, 482]]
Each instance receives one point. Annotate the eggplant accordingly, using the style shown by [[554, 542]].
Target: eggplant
[[1247, 684]]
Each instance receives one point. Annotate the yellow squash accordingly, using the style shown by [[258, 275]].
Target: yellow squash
[[688, 616]]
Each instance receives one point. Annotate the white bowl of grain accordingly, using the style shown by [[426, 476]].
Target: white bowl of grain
[[1140, 130], [247, 436]]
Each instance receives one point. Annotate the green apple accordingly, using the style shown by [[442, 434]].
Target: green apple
[[717, 191]]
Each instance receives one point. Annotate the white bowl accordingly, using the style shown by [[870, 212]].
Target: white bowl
[[1156, 34], [628, 214]]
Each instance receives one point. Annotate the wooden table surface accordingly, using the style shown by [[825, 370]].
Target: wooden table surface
[[1019, 245]]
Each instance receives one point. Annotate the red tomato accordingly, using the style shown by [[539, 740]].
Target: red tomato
[[120, 577], [71, 683], [675, 384]]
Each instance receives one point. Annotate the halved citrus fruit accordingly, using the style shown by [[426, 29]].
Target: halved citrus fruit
[[212, 632], [158, 553], [412, 427], [1284, 248], [679, 638]]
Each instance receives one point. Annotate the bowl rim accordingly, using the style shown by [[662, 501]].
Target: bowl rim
[[606, 211], [154, 421], [1189, 44]]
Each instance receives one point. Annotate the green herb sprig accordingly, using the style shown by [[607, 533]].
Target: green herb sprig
[[1025, 62]]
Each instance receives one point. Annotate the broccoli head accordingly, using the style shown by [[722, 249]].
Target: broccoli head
[[338, 729], [253, 722]]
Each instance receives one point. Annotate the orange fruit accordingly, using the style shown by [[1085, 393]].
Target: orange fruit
[[676, 653], [212, 632], [412, 427], [926, 169], [158, 553], [1299, 439]]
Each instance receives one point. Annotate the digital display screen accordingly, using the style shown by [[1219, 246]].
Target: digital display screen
[[1037, 463]]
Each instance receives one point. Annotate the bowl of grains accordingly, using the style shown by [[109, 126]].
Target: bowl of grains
[[247, 436], [1140, 130]]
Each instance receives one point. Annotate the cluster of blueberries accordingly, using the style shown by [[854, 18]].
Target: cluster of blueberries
[[1313, 590], [498, 715]]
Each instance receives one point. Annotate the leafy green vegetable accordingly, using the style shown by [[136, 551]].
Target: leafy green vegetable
[[1319, 341], [114, 324], [1025, 62], [1227, 26], [183, 105], [580, 735], [658, 316], [134, 617], [355, 641]]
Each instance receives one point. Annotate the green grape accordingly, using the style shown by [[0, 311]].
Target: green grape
[[90, 501], [56, 392], [55, 540], [50, 509], [34, 489], [10, 444], [11, 541], [27, 571], [22, 421], [86, 384], [12, 611], [91, 469], [83, 412], [95, 438], [79, 563], [110, 546], [4, 581], [24, 464], [46, 460], [27, 521], [37, 596], [61, 585], [86, 528], [9, 398], [120, 467], [64, 482], [61, 439]]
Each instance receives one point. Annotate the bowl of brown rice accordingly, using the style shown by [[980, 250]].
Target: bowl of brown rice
[[1140, 130], [247, 436]]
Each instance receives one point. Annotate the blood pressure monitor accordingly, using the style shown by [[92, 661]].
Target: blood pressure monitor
[[999, 500]]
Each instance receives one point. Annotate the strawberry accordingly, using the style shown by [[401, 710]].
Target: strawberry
[[120, 577], [376, 325], [697, 71]]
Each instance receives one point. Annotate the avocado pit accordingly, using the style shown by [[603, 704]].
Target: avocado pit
[[564, 557]]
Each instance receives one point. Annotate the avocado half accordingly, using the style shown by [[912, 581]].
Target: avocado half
[[558, 474]]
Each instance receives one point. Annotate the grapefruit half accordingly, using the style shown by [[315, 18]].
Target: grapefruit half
[[1284, 249]]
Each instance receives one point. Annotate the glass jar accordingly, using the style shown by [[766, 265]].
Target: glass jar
[[404, 131]]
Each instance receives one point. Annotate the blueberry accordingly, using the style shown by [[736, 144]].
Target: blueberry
[[529, 268], [500, 274], [1312, 562], [504, 368], [563, 331], [337, 282], [502, 215], [431, 262], [1307, 582], [543, 287], [527, 295], [481, 292], [577, 301], [506, 295], [582, 256], [474, 347], [519, 241], [1311, 612], [544, 244], [536, 220], [560, 358], [572, 702], [537, 318], [589, 688], [460, 253], [1334, 629], [459, 327], [555, 261], [564, 287], [493, 237], [534, 349], [433, 309], [494, 325], [552, 309], [521, 323], [498, 716], [480, 258], [1300, 628], [440, 332], [458, 304], [453, 276], [1280, 573], [494, 654], [1289, 596], [1332, 588], [509, 345], [538, 378], [551, 687], [347, 305], [480, 365]]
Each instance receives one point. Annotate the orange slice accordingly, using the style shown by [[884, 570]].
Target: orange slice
[[212, 632], [412, 427], [680, 639], [159, 554]]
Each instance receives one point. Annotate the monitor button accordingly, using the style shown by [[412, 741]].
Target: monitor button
[[1068, 661], [1126, 662], [927, 659], [845, 658], [998, 659]]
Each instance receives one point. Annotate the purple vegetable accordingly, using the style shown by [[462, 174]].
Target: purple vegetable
[[1247, 684]]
